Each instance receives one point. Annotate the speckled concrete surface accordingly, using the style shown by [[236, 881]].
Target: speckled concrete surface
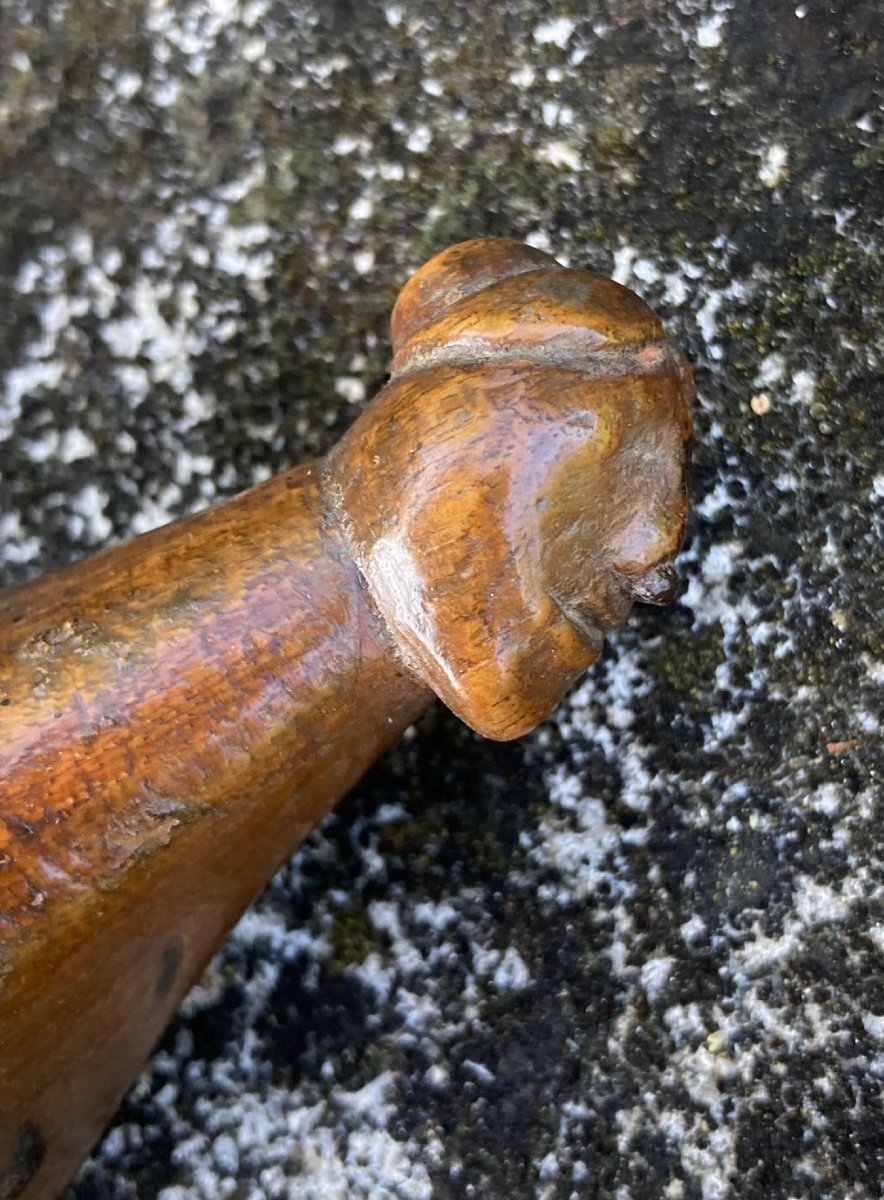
[[640, 954]]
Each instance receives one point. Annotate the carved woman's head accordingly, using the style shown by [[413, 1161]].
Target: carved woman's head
[[521, 479]]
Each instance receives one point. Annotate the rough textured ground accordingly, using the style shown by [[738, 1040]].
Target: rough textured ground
[[639, 955]]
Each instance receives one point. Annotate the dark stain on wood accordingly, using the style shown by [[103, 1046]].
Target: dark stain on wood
[[29, 1151], [170, 964]]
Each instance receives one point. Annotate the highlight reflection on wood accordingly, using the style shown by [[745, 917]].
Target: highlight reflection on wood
[[177, 713]]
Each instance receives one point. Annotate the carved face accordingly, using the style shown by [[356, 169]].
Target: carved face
[[520, 481], [517, 526], [614, 512]]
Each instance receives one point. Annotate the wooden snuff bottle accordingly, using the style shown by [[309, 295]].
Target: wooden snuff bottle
[[178, 712]]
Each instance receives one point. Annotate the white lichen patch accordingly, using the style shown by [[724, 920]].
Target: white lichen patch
[[709, 34], [154, 327], [774, 165], [555, 32], [560, 153], [580, 846]]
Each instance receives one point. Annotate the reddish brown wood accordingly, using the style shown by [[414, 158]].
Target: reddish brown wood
[[523, 481], [177, 713]]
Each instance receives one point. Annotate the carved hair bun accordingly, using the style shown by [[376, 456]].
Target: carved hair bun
[[453, 275], [521, 479]]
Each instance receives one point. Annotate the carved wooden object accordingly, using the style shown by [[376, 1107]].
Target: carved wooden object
[[177, 713]]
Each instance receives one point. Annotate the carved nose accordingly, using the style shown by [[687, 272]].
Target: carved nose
[[657, 586]]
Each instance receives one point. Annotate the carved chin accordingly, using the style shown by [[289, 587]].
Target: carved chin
[[502, 687]]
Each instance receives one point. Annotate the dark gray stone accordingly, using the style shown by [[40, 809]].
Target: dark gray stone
[[637, 956]]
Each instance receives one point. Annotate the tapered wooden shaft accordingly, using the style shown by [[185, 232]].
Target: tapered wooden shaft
[[177, 713], [181, 713]]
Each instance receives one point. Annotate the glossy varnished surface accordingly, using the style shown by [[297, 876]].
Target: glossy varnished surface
[[522, 479], [175, 716]]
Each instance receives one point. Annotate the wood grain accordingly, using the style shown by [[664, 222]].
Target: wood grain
[[177, 713]]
